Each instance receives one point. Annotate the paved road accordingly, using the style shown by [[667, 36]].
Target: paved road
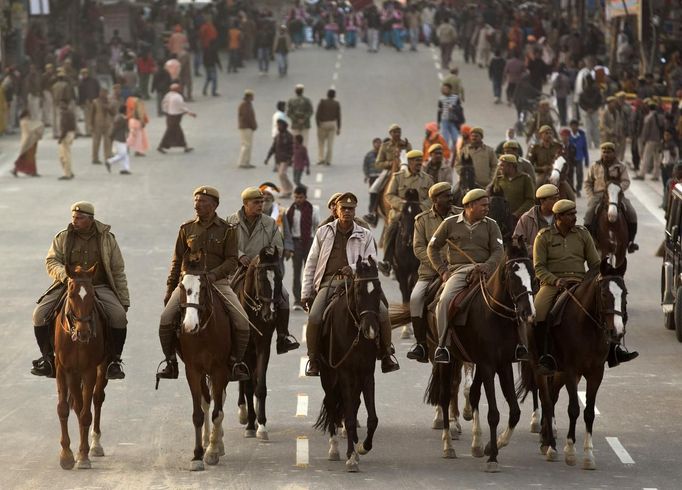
[[147, 434]]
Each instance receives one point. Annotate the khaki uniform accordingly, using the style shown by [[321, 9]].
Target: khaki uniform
[[558, 257], [425, 225], [542, 157], [482, 241], [484, 161], [216, 243], [299, 112], [403, 181], [388, 161], [102, 116], [518, 191], [49, 114], [538, 120], [596, 183], [441, 173], [111, 286], [613, 128], [62, 91], [527, 168]]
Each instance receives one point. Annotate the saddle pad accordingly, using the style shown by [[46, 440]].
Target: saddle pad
[[557, 312], [460, 304]]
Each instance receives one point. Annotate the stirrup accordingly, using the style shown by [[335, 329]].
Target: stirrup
[[442, 355], [389, 364], [114, 370], [547, 365], [312, 368], [170, 371], [286, 343], [240, 372], [418, 353]]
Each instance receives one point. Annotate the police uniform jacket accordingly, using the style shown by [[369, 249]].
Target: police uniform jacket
[[556, 256], [425, 225]]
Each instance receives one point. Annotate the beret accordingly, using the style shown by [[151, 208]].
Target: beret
[[611, 98], [562, 206], [507, 158], [474, 195], [434, 147], [438, 189], [545, 128], [393, 126], [607, 145], [511, 144], [248, 91], [414, 154], [251, 193], [546, 190], [208, 191], [347, 200], [477, 130], [300, 86], [332, 200], [83, 207], [621, 94]]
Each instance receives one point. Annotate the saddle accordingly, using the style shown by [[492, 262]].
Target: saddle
[[332, 298], [459, 305], [557, 312]]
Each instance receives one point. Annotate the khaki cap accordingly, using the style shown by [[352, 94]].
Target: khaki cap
[[546, 190], [248, 91], [251, 193], [474, 195], [607, 145], [511, 144], [347, 200], [477, 130], [611, 98], [61, 72], [415, 154], [332, 200], [438, 189], [83, 207], [393, 127], [207, 191], [621, 94], [300, 86], [545, 128], [562, 206], [508, 158], [434, 147]]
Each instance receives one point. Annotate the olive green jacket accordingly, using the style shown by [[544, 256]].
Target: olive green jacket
[[556, 256]]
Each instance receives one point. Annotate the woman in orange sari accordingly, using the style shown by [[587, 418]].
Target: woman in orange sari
[[31, 133], [137, 122]]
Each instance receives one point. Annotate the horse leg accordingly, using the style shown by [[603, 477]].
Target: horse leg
[[476, 432], [372, 419], [194, 379], [98, 396], [535, 417], [573, 414], [507, 383], [456, 427], [467, 413], [205, 408], [437, 419], [262, 392], [493, 418], [213, 451], [241, 405], [593, 383], [350, 394], [250, 430], [66, 460], [548, 400], [445, 396]]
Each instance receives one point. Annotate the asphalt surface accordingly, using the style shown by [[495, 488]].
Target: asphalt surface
[[148, 435]]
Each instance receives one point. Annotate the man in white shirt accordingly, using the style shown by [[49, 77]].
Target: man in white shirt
[[279, 115], [303, 220], [174, 107]]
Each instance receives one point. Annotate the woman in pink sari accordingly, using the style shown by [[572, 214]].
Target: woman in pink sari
[[137, 122]]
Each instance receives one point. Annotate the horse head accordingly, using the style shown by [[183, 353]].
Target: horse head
[[613, 193], [519, 276], [191, 285], [467, 178], [557, 169], [81, 302], [367, 296], [613, 298], [267, 284]]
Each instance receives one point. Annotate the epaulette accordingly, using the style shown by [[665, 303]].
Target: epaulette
[[542, 232], [188, 222], [423, 213]]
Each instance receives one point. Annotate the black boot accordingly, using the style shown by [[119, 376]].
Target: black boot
[[285, 341], [371, 217], [240, 371], [118, 338], [618, 354], [389, 248], [168, 339], [45, 366], [389, 364], [546, 364], [418, 352], [521, 353], [313, 367], [632, 232]]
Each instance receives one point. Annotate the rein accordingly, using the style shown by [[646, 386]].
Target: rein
[[70, 317], [201, 307], [600, 324]]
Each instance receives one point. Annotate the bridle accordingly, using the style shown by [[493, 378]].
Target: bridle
[[71, 317], [198, 306], [507, 312], [601, 323], [257, 303]]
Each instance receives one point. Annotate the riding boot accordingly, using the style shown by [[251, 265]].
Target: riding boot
[[632, 232], [442, 354], [240, 341], [313, 366], [546, 364], [388, 361], [389, 247], [168, 339], [45, 367], [285, 341], [118, 338], [418, 352], [618, 354], [371, 217]]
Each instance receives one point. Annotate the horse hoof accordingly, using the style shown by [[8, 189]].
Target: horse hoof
[[405, 334], [83, 464], [334, 456], [352, 465], [454, 435], [243, 415], [468, 414], [570, 459], [543, 450], [492, 467], [96, 451], [535, 427], [360, 448], [66, 461], [486, 451], [437, 424], [449, 453], [211, 458], [249, 433], [262, 433], [552, 455], [196, 465], [477, 451], [221, 449], [589, 464]]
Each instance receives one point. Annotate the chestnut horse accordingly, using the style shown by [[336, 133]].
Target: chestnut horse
[[80, 358]]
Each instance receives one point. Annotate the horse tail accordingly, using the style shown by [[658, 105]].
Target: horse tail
[[526, 382], [432, 394], [331, 411]]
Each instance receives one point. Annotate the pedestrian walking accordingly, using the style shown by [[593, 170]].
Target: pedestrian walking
[[328, 119], [280, 114], [211, 64], [513, 72], [67, 128], [303, 220], [247, 125], [496, 74], [283, 149], [590, 101], [301, 162], [300, 110], [450, 114], [651, 137], [265, 37], [234, 36], [373, 24], [31, 133], [146, 67], [102, 116], [370, 171], [119, 137], [161, 85], [174, 107], [88, 91], [281, 47], [561, 88], [447, 36], [137, 126], [578, 139], [33, 93], [48, 78]]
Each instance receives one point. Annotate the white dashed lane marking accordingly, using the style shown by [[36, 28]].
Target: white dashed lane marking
[[303, 332], [302, 451], [301, 367], [317, 194], [581, 396], [302, 405], [620, 451], [319, 177]]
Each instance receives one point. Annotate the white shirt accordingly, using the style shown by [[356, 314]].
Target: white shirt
[[296, 225], [278, 116], [173, 104]]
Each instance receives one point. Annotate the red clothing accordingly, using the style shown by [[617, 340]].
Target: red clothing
[[207, 33], [436, 138], [300, 159], [146, 65], [234, 38]]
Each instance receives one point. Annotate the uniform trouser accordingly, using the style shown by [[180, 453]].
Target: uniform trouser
[[620, 149], [456, 282], [299, 258], [314, 328], [114, 312], [651, 158], [100, 133], [544, 300], [630, 213], [285, 184], [418, 297], [121, 155], [65, 152], [325, 140], [48, 109], [303, 132], [246, 136], [34, 106]]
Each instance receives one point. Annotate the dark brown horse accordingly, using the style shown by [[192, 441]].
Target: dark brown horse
[[261, 287], [489, 339], [205, 346], [611, 227], [347, 370], [467, 181], [595, 313], [404, 262], [80, 358]]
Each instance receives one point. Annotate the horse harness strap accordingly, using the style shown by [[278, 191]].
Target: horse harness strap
[[227, 300]]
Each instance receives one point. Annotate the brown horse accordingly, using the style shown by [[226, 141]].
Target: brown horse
[[559, 176], [261, 287], [80, 358], [204, 346], [611, 227], [595, 313]]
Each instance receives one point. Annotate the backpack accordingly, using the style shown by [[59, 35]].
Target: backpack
[[457, 114]]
